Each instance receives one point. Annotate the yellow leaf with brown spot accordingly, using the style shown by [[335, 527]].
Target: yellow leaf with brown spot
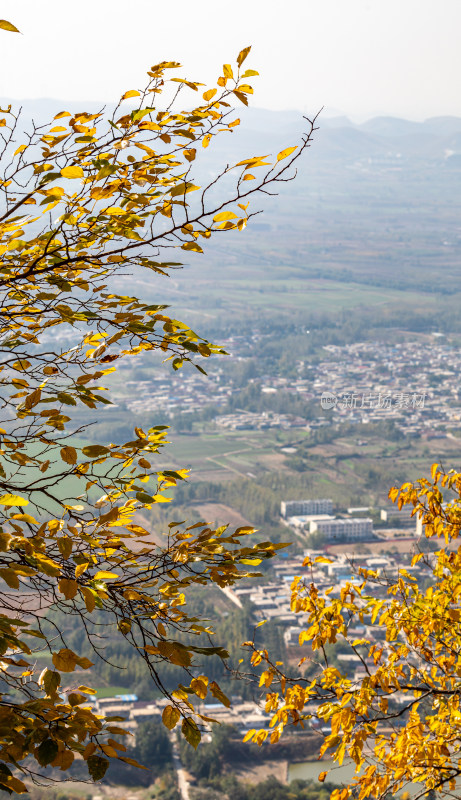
[[285, 153]]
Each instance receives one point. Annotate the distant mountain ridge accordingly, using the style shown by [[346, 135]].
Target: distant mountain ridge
[[337, 138]]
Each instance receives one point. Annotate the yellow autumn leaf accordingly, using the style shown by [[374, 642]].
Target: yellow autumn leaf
[[196, 249], [65, 660], [131, 93], [68, 587], [103, 575], [209, 94], [12, 783], [200, 686], [80, 569], [47, 565], [13, 500], [242, 55], [223, 215], [65, 545], [89, 598], [10, 577], [114, 211], [217, 692], [72, 172], [25, 518], [76, 699], [108, 750], [5, 541], [170, 717], [175, 653], [69, 454], [8, 26], [285, 153]]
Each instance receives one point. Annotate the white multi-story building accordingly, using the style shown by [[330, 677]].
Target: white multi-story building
[[344, 530], [400, 517], [299, 508], [306, 520]]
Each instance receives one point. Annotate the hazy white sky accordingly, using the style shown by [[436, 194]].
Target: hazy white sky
[[360, 57]]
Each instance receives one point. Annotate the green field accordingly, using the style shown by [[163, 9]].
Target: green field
[[350, 473], [278, 291]]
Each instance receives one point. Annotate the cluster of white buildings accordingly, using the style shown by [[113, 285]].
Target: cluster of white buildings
[[413, 383], [315, 516], [251, 420], [296, 508], [271, 601], [243, 715], [182, 392]]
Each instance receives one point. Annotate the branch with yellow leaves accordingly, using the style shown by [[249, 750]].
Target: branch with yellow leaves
[[399, 723], [85, 201]]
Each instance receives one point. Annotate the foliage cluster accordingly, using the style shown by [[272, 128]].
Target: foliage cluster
[[87, 201], [400, 722], [152, 749], [120, 666]]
